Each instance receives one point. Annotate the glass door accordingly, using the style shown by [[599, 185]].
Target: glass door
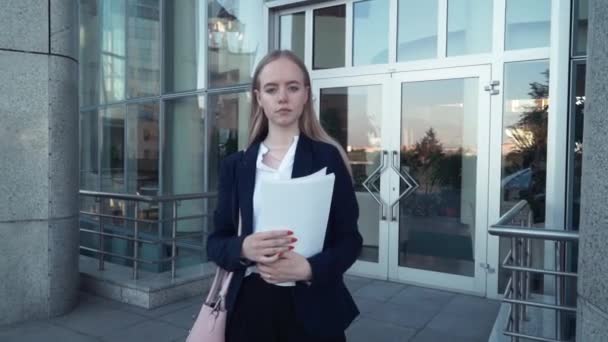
[[440, 124], [353, 111]]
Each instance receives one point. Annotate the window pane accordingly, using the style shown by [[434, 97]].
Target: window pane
[[184, 30], [469, 27], [524, 144], [235, 40], [439, 152], [89, 171], [229, 130], [142, 148], [113, 151], [89, 52], [352, 116], [184, 157], [528, 24], [370, 32], [580, 27], [292, 31], [417, 30], [329, 37], [144, 48], [576, 144], [113, 51]]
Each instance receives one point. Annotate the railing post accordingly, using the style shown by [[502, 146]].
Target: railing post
[[136, 242], [515, 289], [560, 298], [173, 235], [528, 275], [101, 237]]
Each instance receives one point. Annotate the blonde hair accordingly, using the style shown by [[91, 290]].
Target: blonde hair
[[308, 123]]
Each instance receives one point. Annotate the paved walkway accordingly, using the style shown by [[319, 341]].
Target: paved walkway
[[390, 312]]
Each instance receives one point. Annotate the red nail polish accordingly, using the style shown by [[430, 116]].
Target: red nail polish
[[291, 247], [289, 232], [294, 240]]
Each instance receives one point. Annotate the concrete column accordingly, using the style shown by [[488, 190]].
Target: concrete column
[[592, 320], [38, 158]]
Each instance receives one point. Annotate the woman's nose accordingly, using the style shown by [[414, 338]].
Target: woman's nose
[[282, 95]]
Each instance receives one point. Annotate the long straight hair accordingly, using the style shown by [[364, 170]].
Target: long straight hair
[[308, 123]]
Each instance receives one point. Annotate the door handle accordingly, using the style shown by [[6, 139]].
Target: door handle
[[411, 183], [369, 182]]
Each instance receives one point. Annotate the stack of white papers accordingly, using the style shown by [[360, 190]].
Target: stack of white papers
[[300, 205]]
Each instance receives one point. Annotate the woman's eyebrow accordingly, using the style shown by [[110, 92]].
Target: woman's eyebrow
[[274, 84]]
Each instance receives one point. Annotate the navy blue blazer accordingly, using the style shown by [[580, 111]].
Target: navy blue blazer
[[324, 307]]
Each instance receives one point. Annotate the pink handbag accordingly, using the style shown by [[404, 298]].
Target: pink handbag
[[210, 325]]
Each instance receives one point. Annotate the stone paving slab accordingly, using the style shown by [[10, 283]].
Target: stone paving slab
[[390, 312]]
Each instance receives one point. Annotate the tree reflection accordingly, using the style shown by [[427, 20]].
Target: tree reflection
[[524, 166]]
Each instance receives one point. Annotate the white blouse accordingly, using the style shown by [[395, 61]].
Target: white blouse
[[265, 172]]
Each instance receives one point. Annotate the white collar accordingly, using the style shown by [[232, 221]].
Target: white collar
[[287, 159]]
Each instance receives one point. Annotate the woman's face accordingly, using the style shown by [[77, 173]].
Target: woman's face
[[282, 93]]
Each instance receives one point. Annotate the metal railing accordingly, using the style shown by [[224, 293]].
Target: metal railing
[[132, 234], [519, 262]]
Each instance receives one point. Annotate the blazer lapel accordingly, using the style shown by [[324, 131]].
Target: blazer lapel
[[246, 184], [302, 163]]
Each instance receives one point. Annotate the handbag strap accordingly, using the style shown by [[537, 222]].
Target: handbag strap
[[222, 279]]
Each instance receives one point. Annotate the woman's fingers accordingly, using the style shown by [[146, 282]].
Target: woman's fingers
[[272, 243], [268, 259]]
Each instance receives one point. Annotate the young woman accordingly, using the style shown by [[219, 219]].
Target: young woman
[[286, 141]]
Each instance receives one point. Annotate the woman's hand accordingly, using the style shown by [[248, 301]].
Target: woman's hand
[[265, 247], [291, 266]]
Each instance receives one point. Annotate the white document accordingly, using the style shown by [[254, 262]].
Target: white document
[[301, 205]]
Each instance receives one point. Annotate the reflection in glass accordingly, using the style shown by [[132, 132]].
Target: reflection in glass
[[228, 129], [184, 50], [469, 27], [292, 31], [576, 144], [352, 116], [144, 48], [439, 151], [369, 27], [580, 27], [184, 33], [89, 171], [235, 40], [113, 51], [113, 149], [524, 143], [142, 148], [417, 30], [89, 52], [528, 24], [184, 155], [329, 37]]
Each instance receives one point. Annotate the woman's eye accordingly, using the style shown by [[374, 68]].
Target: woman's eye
[[271, 90], [293, 89]]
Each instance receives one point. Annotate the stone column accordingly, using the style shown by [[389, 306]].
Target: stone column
[[592, 316], [38, 158]]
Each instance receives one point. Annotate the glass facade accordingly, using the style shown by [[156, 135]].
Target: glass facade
[[235, 36], [528, 24], [160, 109], [164, 98], [524, 143], [369, 27], [329, 42], [417, 30], [469, 27]]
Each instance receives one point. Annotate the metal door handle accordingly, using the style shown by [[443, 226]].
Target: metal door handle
[[370, 182], [411, 183]]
